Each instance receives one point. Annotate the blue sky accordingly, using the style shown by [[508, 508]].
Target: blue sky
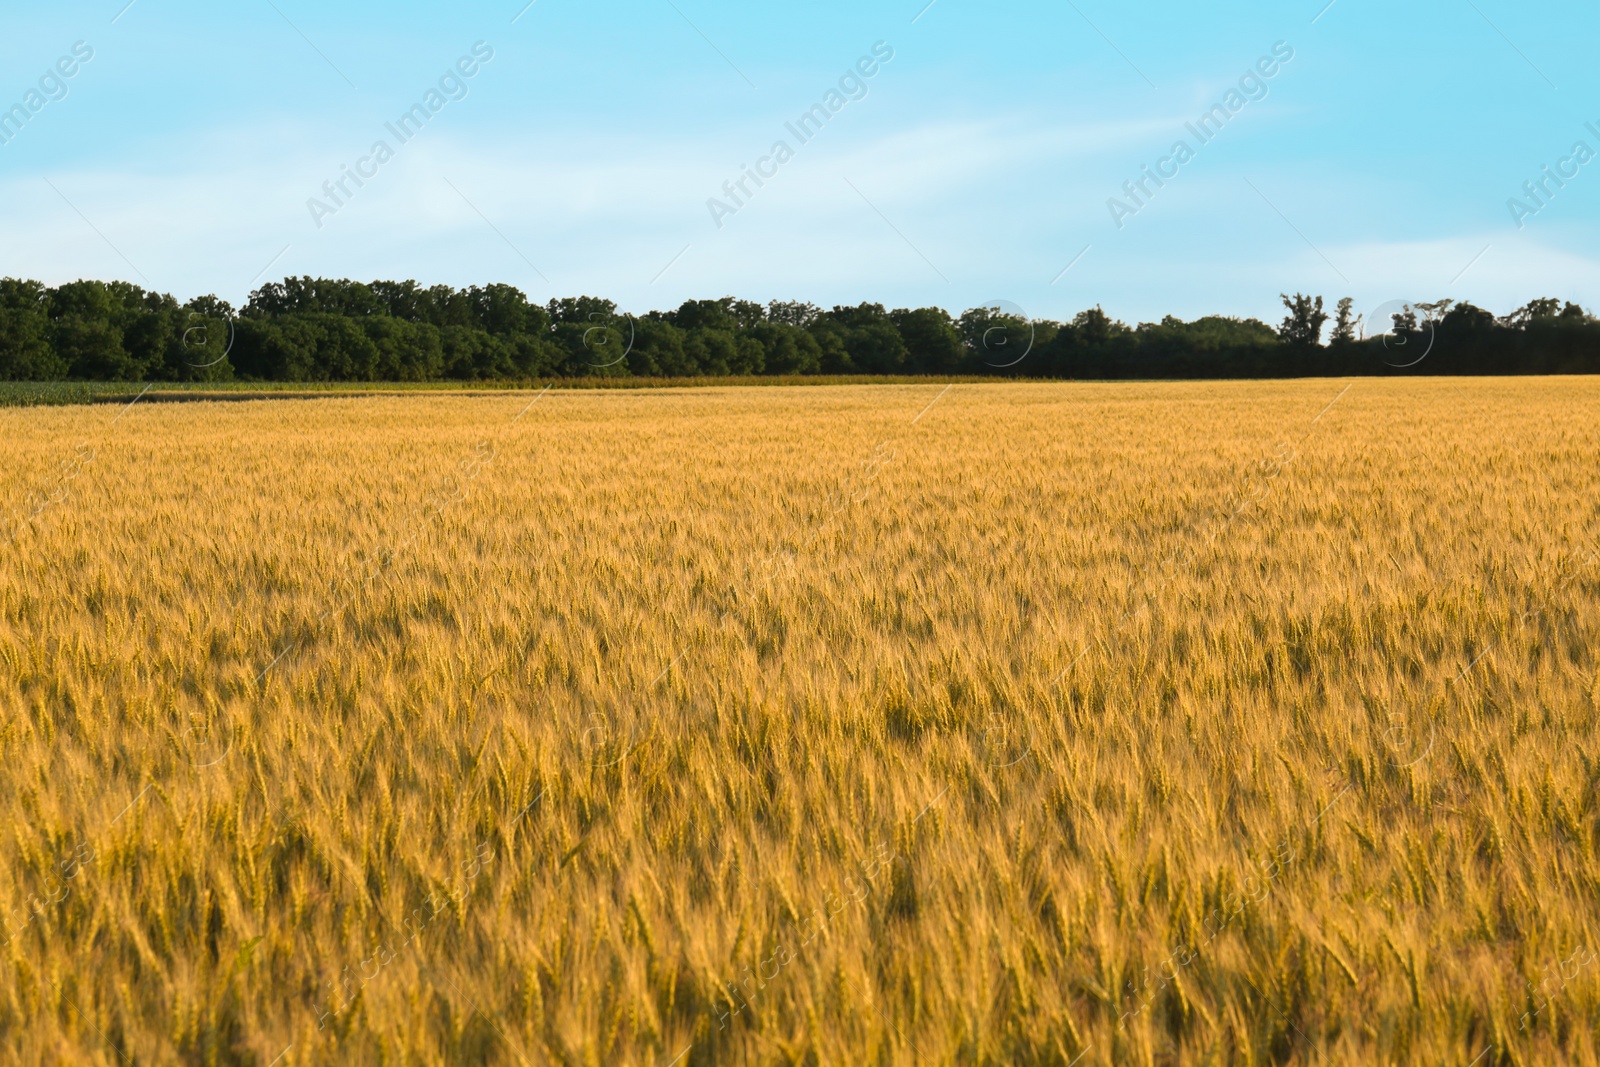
[[977, 166]]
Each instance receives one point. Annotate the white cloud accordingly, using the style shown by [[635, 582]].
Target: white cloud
[[207, 215], [998, 205]]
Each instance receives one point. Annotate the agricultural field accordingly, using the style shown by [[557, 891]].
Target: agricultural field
[[952, 723]]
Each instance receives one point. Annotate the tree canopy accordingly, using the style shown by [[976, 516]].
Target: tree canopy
[[318, 329]]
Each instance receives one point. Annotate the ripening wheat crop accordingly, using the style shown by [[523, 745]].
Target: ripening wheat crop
[[1037, 724]]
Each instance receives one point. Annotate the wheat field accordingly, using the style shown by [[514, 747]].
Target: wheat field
[[1039, 724]]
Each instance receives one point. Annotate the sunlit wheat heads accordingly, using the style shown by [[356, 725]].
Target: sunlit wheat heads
[[1050, 724]]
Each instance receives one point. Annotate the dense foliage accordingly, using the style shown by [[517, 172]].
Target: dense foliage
[[309, 329]]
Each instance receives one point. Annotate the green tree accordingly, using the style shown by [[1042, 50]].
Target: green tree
[[1302, 327], [870, 337], [1534, 311], [26, 351], [1344, 323], [932, 339], [406, 351], [658, 349], [789, 349], [793, 313], [472, 353], [713, 352]]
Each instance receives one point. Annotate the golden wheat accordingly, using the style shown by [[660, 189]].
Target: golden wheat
[[1047, 724]]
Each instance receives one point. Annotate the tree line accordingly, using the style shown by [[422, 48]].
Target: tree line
[[313, 329]]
